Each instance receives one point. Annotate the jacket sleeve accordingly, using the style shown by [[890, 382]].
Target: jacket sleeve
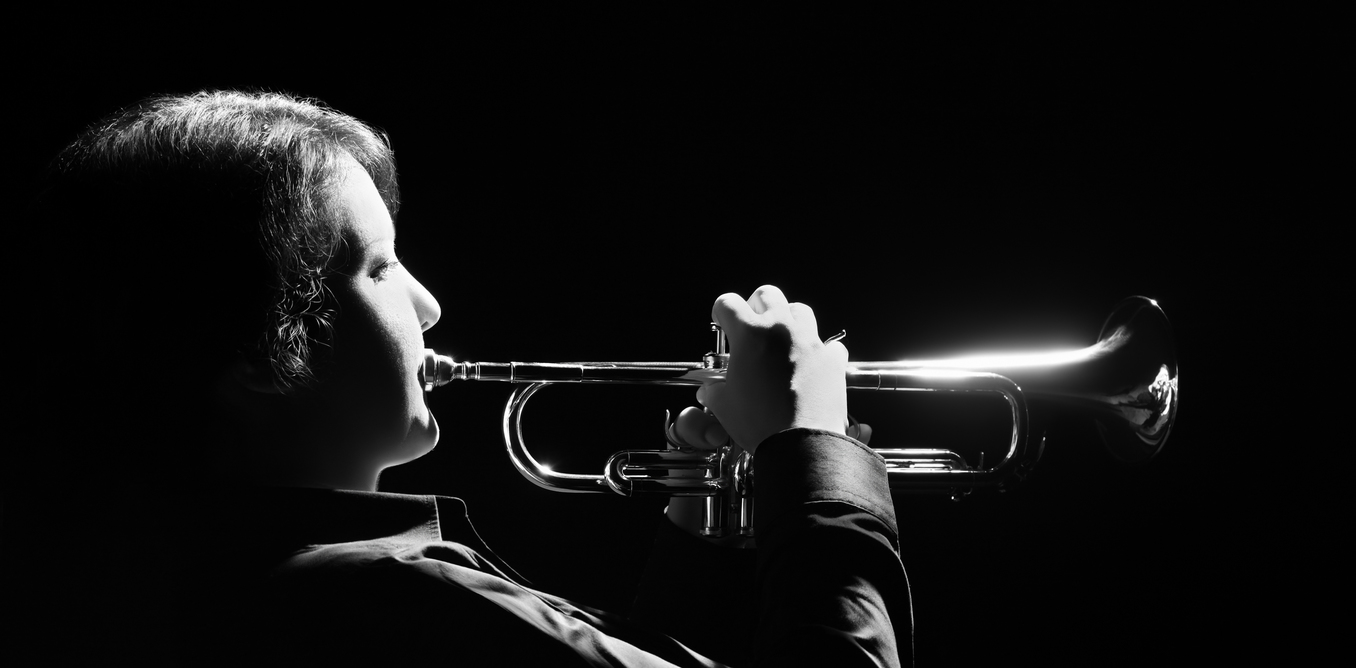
[[830, 586], [825, 585]]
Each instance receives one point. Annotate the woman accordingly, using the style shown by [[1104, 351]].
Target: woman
[[251, 239]]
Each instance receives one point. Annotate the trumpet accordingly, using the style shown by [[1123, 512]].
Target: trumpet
[[1127, 381]]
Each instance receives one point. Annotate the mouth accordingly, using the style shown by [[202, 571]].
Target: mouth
[[427, 373]]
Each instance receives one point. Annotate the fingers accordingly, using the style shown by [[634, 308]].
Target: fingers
[[780, 373], [699, 429], [767, 298], [687, 428], [711, 395], [838, 350], [804, 317], [729, 309], [708, 395]]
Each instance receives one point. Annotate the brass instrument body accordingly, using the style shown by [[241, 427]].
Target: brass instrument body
[[1127, 381]]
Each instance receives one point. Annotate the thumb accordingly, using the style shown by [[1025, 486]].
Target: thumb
[[709, 396], [699, 429]]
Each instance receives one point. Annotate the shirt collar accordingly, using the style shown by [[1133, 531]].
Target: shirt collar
[[291, 518]]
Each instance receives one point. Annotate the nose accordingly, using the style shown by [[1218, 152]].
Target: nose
[[425, 306]]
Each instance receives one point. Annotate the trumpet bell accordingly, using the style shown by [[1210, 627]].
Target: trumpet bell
[[1137, 404], [1127, 381]]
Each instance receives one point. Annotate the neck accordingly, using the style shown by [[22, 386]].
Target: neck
[[266, 440]]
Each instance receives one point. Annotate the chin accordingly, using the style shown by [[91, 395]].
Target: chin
[[422, 438]]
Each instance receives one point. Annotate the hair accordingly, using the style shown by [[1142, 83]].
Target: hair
[[232, 192], [168, 239]]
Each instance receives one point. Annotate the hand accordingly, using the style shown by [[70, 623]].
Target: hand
[[699, 430], [780, 374]]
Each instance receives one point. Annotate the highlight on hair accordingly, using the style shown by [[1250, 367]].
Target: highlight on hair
[[270, 163]]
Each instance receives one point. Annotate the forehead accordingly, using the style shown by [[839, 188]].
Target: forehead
[[362, 214]]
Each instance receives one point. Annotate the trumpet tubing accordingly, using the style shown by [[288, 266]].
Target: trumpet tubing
[[1127, 381]]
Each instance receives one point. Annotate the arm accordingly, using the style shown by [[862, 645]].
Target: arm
[[829, 585], [829, 588], [825, 585]]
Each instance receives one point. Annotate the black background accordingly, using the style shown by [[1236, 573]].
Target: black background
[[583, 186]]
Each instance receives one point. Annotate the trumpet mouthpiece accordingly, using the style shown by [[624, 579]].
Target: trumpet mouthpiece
[[436, 370]]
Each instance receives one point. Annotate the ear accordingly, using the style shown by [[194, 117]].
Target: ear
[[253, 376]]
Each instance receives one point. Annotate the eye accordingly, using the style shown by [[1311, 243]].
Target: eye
[[383, 270]]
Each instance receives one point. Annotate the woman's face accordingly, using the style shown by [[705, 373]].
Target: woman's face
[[371, 402]]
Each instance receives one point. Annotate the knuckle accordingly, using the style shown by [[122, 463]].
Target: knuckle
[[726, 307], [837, 350], [769, 293], [724, 300]]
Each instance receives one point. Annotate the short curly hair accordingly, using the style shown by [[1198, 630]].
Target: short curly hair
[[237, 179]]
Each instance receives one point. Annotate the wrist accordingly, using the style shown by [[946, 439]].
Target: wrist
[[832, 426]]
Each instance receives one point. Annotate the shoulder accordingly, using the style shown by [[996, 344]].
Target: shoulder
[[372, 601], [376, 568]]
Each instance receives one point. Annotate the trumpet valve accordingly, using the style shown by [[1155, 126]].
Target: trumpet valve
[[718, 358]]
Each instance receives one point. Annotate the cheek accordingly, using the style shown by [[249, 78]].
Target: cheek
[[388, 352], [378, 344], [365, 348], [392, 353]]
